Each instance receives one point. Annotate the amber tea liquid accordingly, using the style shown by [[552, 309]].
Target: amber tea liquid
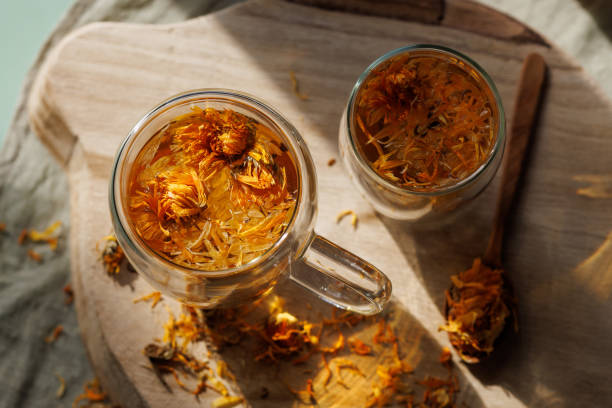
[[213, 189], [425, 122]]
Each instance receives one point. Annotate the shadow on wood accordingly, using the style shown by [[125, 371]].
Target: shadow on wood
[[266, 383]]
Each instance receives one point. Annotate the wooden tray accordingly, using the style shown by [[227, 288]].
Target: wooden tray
[[102, 78]]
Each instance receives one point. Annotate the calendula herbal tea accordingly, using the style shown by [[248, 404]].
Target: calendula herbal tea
[[425, 121], [213, 189]]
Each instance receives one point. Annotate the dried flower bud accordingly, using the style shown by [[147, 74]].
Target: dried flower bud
[[232, 142]]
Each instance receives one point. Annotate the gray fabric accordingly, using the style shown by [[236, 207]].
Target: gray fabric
[[581, 28], [33, 193]]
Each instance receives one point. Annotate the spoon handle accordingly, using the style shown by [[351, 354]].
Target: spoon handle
[[525, 109]]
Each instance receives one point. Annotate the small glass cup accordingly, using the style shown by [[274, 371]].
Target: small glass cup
[[422, 207], [334, 274]]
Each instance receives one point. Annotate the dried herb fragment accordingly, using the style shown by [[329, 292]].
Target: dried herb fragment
[[54, 334], [223, 371], [424, 122], [359, 347], [344, 213], [391, 384], [112, 255], [338, 345], [92, 393], [306, 396], [477, 311], [227, 402], [35, 255], [154, 297], [46, 235], [174, 356], [214, 189], [439, 393], [22, 236], [446, 357], [68, 294], [344, 363], [331, 162], [384, 334], [62, 387], [295, 86]]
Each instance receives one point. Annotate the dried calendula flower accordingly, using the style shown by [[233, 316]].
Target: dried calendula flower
[[233, 132], [477, 311], [112, 255], [424, 122], [213, 189]]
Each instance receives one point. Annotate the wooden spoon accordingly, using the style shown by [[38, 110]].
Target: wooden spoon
[[498, 302]]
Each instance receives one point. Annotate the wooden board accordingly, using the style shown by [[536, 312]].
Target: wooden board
[[101, 79]]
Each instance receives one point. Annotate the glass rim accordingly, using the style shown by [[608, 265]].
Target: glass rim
[[499, 140], [198, 95]]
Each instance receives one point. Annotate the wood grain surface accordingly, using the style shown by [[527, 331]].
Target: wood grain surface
[[101, 79]]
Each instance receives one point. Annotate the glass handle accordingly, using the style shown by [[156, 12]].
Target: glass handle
[[341, 278]]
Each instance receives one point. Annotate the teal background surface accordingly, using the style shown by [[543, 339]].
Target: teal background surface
[[24, 26]]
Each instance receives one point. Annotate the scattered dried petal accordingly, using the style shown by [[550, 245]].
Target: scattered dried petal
[[445, 356], [343, 363], [68, 294], [306, 395], [284, 336], [22, 236], [359, 347], [54, 334], [62, 388], [295, 86], [331, 162], [223, 371], [339, 345], [2, 226], [344, 214], [46, 235], [93, 393], [227, 402], [440, 393], [35, 255], [155, 297]]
